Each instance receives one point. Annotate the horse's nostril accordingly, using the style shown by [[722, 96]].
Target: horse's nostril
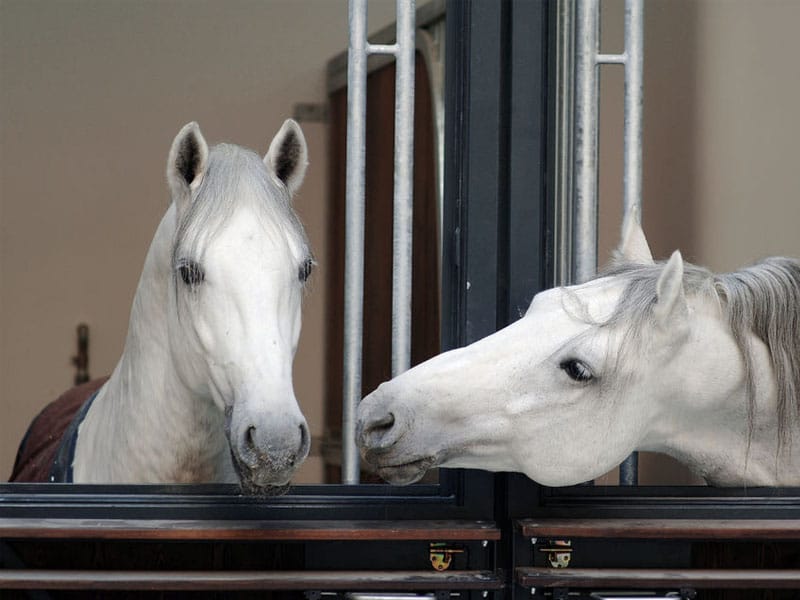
[[305, 441], [250, 438], [385, 423], [382, 432]]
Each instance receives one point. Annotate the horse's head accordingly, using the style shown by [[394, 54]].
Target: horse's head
[[563, 395], [239, 262]]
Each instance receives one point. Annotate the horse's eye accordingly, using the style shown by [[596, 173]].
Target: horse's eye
[[577, 370], [305, 270], [191, 273]]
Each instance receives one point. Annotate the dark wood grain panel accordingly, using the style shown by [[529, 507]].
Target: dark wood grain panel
[[246, 530], [249, 580], [685, 529], [755, 579]]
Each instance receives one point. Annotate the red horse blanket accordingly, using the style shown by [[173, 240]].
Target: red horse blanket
[[38, 448]]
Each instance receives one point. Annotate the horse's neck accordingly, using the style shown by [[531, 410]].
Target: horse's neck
[[145, 426], [710, 433]]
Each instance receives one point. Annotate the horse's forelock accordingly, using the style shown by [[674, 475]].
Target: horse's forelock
[[234, 175]]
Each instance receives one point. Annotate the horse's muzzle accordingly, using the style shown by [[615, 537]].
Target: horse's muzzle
[[382, 433], [379, 426], [268, 452]]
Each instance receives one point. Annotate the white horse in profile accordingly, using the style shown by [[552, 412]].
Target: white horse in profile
[[203, 391], [665, 357]]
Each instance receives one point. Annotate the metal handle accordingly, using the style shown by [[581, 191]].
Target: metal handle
[[81, 359]]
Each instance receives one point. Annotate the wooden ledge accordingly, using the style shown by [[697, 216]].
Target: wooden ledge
[[217, 530], [660, 578], [685, 529], [249, 580]]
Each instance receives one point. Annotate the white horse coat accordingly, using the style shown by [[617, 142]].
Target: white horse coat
[[203, 391]]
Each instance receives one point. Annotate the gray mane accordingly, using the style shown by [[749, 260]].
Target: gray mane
[[234, 175], [763, 299]]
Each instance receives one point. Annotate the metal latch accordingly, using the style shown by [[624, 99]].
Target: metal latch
[[558, 552], [441, 555]]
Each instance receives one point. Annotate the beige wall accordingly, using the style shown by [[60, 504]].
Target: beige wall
[[722, 87], [721, 180], [91, 95]]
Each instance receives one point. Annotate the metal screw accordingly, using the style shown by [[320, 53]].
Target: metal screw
[[485, 543], [533, 541]]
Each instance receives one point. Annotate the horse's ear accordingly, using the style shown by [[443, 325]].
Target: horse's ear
[[187, 162], [670, 298], [633, 247], [287, 156]]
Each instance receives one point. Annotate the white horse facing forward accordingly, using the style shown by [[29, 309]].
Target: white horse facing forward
[[665, 357], [203, 391]]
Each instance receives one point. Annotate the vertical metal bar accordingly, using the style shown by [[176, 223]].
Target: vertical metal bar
[[354, 235], [584, 222], [564, 118], [358, 51], [634, 55], [403, 187], [588, 58]]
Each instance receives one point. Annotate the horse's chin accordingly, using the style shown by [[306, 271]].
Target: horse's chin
[[251, 488], [252, 483], [406, 473]]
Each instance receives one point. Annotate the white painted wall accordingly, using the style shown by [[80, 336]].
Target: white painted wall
[[91, 95]]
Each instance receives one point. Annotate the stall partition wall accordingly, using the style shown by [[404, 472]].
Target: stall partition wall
[[376, 366]]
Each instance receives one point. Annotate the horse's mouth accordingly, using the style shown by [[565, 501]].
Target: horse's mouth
[[406, 472], [253, 484], [250, 488]]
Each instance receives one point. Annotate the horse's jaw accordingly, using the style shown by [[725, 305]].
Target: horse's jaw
[[703, 422]]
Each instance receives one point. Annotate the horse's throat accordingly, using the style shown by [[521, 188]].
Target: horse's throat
[[201, 452]]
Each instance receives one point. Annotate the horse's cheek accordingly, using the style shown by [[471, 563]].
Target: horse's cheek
[[191, 350], [205, 336]]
